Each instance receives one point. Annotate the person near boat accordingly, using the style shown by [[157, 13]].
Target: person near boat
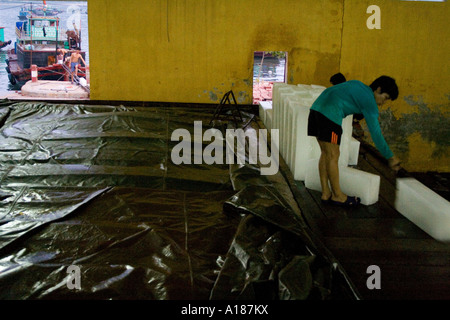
[[61, 54], [74, 62]]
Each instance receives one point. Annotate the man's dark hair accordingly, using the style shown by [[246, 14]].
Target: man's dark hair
[[337, 78], [387, 85]]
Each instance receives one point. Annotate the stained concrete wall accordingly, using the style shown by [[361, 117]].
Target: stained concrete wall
[[196, 50], [412, 45]]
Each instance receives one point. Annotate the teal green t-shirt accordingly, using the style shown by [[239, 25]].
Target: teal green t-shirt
[[352, 97]]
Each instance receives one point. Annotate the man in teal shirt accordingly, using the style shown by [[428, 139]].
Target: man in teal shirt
[[325, 123]]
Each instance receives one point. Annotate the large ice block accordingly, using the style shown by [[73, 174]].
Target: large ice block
[[424, 207], [263, 107], [353, 152], [288, 124], [353, 182], [298, 144], [268, 123], [314, 149], [286, 131], [347, 129], [305, 87], [280, 92], [285, 116], [316, 91]]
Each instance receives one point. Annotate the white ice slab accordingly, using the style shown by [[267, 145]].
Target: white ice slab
[[288, 124], [353, 182], [344, 148], [287, 130], [316, 92], [269, 115], [305, 87], [298, 144], [280, 92], [263, 107], [283, 115], [314, 149], [317, 86], [353, 152], [424, 207]]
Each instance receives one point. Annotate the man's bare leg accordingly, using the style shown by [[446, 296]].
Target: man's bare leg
[[323, 174], [329, 160]]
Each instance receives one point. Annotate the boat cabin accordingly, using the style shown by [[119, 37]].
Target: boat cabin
[[39, 30]]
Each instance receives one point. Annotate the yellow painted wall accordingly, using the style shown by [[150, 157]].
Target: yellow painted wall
[[196, 50], [412, 46]]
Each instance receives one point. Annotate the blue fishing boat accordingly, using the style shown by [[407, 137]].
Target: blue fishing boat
[[40, 10], [38, 40]]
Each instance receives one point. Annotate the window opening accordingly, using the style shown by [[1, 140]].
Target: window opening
[[268, 67]]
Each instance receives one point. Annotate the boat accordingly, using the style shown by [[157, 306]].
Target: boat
[[45, 11], [3, 43], [42, 10], [37, 42], [23, 13]]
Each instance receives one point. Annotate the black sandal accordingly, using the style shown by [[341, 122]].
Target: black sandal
[[328, 201], [349, 203]]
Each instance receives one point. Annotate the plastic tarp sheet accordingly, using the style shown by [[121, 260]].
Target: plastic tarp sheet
[[95, 187]]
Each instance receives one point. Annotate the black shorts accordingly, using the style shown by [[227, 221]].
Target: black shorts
[[323, 128]]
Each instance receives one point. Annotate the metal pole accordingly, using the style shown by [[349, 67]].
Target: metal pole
[[56, 44], [31, 41]]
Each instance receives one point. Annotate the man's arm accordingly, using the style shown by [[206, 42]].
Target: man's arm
[[394, 163], [380, 143], [81, 57], [377, 136]]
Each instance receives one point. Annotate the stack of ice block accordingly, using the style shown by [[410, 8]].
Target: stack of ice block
[[289, 114], [424, 207]]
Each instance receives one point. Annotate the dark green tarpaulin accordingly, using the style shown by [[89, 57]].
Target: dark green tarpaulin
[[95, 187]]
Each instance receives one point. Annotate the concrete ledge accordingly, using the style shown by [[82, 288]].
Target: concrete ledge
[[53, 89]]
